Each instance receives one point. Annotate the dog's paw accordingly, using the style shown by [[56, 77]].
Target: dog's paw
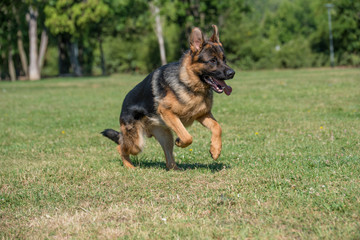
[[172, 166], [215, 152], [183, 143]]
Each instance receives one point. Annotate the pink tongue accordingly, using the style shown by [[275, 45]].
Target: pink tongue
[[227, 90]]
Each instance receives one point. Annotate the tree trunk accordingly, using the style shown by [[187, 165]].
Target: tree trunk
[[43, 46], [103, 68], [23, 57], [158, 30], [74, 54], [11, 65], [2, 59], [64, 63], [1, 65], [34, 73], [20, 44]]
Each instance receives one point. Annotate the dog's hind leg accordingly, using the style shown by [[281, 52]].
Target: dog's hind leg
[[131, 142], [165, 138], [125, 158]]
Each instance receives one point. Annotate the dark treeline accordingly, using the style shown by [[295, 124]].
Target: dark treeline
[[86, 37]]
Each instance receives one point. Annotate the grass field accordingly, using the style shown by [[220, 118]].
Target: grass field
[[290, 165]]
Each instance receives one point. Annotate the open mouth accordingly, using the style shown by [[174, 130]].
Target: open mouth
[[218, 86]]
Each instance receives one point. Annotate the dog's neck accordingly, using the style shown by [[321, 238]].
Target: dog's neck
[[189, 76]]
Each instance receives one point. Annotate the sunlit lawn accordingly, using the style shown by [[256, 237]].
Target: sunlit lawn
[[290, 166]]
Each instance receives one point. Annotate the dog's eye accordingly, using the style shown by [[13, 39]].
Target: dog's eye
[[213, 60]]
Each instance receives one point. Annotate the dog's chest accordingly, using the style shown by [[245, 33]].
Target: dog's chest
[[196, 107], [191, 106]]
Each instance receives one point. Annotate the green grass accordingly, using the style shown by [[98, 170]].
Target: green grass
[[290, 165]]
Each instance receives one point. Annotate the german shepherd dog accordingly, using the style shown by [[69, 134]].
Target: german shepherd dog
[[172, 98]]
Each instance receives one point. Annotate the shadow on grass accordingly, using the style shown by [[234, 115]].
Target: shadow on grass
[[145, 163]]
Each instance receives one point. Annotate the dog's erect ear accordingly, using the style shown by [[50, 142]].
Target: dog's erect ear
[[215, 37], [196, 40]]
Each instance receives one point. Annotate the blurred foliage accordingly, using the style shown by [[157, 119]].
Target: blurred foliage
[[73, 17], [257, 34]]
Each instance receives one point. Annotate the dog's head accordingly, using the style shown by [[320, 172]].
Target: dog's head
[[209, 61]]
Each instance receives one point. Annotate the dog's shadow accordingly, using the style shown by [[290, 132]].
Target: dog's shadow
[[145, 163]]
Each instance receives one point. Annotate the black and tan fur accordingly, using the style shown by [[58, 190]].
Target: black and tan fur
[[172, 98]]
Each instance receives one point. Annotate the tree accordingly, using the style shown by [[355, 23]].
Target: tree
[[158, 30], [16, 14], [36, 59], [20, 42], [7, 48], [10, 55], [68, 18], [34, 70], [346, 31]]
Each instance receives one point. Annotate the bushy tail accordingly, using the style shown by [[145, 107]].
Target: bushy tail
[[111, 134]]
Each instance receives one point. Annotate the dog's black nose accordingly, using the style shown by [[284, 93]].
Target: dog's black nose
[[230, 73]]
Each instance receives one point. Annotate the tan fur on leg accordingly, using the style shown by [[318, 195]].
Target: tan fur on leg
[[184, 138], [209, 122], [125, 158], [164, 137]]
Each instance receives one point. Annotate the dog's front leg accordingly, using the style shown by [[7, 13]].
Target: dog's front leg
[[209, 122], [171, 120]]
